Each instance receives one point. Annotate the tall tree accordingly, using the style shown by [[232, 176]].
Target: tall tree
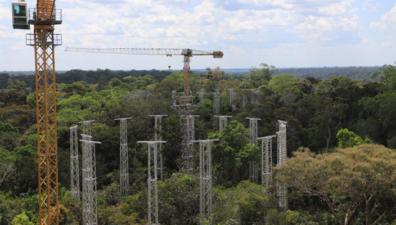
[[347, 180]]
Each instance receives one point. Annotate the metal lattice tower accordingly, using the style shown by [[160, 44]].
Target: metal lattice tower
[[90, 207], [253, 135], [205, 181], [282, 155], [216, 102], [266, 160], [124, 167], [253, 171], [152, 180], [188, 136], [232, 98], [244, 101], [255, 96], [74, 165], [253, 130], [223, 122], [158, 137], [87, 127], [252, 97], [174, 102], [202, 96]]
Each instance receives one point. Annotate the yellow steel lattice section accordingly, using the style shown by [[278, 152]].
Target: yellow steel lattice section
[[44, 10], [46, 125]]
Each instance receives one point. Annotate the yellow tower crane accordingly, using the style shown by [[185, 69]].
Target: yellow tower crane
[[186, 53], [43, 18]]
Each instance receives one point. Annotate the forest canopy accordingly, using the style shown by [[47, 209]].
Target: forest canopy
[[333, 174]]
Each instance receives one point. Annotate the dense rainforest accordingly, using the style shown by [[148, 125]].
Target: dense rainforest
[[341, 133]]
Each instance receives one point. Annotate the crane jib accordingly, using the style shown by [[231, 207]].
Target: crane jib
[[150, 51]]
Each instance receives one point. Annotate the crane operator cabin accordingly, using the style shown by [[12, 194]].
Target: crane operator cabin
[[20, 15], [23, 17]]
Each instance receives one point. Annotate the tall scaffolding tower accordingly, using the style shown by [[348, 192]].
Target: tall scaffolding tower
[[253, 135], [232, 98], [174, 101], [253, 130], [223, 122], [124, 167], [255, 96], [202, 96], [152, 180], [244, 101], [188, 150], [282, 155], [266, 160], [246, 97], [74, 165], [158, 137], [87, 127], [257, 92], [205, 181], [216, 102], [90, 207]]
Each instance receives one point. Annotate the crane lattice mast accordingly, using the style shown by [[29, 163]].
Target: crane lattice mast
[[43, 18]]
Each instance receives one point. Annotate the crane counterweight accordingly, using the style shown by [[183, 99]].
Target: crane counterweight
[[218, 54]]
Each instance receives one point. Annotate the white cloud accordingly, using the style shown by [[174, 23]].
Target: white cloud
[[175, 1], [234, 25], [335, 9], [5, 13], [387, 44], [319, 24], [163, 22], [387, 20], [370, 6], [315, 23]]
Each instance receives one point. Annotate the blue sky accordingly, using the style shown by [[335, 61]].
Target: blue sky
[[284, 33]]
